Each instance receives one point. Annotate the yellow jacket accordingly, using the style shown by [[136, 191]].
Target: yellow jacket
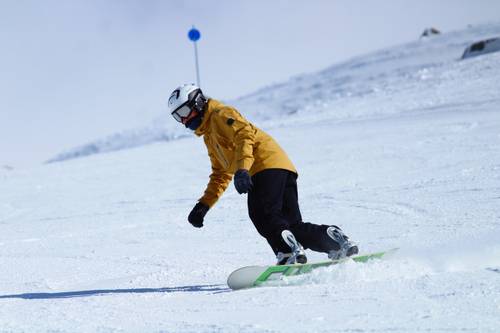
[[234, 143]]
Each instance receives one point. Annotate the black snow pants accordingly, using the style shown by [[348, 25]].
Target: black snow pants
[[273, 207]]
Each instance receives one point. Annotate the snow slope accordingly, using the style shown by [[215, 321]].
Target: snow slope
[[405, 154], [380, 76]]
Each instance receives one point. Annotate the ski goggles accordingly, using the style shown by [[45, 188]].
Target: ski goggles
[[182, 112]]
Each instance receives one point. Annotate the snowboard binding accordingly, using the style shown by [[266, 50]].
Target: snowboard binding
[[346, 247], [297, 256]]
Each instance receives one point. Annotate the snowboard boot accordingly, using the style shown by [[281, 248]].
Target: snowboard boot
[[346, 247], [297, 256]]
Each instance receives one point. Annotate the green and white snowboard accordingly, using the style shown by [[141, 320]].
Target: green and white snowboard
[[253, 276]]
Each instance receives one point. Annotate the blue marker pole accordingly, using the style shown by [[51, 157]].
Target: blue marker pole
[[194, 35]]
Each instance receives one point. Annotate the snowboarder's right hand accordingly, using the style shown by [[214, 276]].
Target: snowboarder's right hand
[[197, 214]]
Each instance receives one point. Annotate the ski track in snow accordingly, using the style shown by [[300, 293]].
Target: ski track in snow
[[402, 150]]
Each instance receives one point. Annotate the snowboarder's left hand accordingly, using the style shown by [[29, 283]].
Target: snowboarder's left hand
[[242, 181], [198, 214]]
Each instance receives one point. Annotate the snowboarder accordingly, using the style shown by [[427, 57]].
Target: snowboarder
[[260, 168]]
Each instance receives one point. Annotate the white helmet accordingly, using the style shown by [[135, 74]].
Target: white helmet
[[184, 99]]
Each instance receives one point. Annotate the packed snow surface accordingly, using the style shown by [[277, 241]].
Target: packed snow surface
[[401, 148]]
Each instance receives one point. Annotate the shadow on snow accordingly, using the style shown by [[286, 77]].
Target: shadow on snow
[[214, 288]]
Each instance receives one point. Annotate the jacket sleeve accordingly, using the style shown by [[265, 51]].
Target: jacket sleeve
[[219, 180]]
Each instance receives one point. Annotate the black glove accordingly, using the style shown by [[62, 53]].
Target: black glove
[[197, 214], [242, 181]]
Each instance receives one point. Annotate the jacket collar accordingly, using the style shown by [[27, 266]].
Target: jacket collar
[[201, 130]]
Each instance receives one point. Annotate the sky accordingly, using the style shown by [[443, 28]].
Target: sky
[[72, 71]]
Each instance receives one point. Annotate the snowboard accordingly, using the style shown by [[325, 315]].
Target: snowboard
[[253, 276]]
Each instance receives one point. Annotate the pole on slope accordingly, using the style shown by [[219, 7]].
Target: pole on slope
[[194, 35]]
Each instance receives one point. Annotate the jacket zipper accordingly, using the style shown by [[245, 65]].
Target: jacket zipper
[[221, 155]]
